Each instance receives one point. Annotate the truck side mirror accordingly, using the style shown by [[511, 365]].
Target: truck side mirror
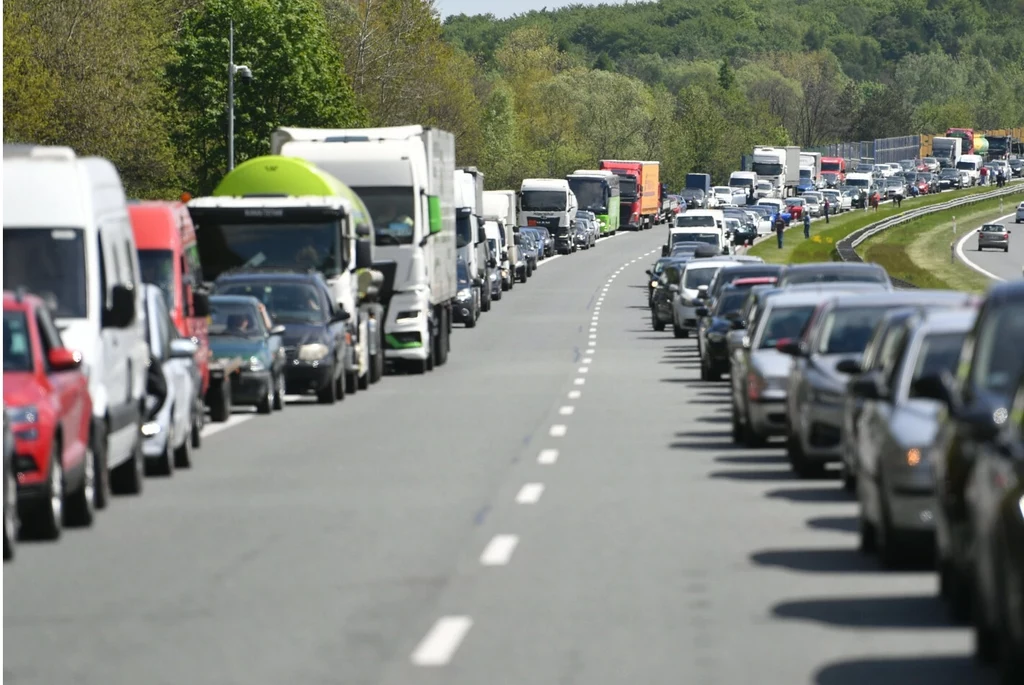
[[364, 254]]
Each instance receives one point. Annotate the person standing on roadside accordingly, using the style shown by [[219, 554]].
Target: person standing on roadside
[[826, 211], [983, 174], [780, 226], [807, 224]]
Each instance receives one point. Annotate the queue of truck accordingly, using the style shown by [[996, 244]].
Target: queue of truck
[[342, 256]]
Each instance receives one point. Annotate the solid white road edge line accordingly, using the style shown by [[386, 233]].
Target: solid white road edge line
[[440, 643], [549, 259], [968, 262], [558, 430], [234, 420], [547, 457], [530, 493], [498, 551]]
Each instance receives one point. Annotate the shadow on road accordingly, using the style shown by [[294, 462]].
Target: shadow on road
[[703, 434], [842, 524], [822, 495], [698, 446], [752, 459], [754, 475], [715, 419], [914, 612], [934, 670], [811, 560]]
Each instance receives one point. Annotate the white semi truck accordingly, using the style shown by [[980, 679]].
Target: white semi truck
[[812, 160], [405, 175], [470, 241], [547, 202], [780, 166], [500, 206]]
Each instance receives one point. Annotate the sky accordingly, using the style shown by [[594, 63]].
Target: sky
[[507, 8]]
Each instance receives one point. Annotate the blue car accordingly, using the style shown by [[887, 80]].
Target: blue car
[[242, 334]]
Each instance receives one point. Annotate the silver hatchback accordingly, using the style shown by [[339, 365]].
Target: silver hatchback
[[994, 235]]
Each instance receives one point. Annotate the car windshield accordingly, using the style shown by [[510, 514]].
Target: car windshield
[[847, 331], [784, 322], [237, 320], [544, 200], [392, 210], [731, 301], [939, 352], [461, 272], [49, 263], [948, 173], [695, 278], [998, 362], [705, 238], [157, 268], [17, 345], [797, 201], [286, 302]]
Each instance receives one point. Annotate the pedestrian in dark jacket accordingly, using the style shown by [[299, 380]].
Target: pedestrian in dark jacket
[[807, 224], [780, 226], [826, 211]]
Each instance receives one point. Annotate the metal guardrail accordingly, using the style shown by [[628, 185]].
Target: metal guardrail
[[846, 247]]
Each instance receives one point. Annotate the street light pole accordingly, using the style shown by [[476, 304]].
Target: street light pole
[[231, 96]]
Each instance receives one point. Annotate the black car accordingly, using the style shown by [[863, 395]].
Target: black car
[[1017, 167], [977, 399], [949, 179], [668, 286], [243, 336], [723, 317], [467, 300], [564, 239], [654, 274], [317, 358]]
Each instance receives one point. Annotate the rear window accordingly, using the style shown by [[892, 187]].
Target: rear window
[[847, 331], [784, 322], [695, 278]]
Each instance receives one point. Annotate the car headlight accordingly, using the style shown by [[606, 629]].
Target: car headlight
[[256, 364], [494, 275], [312, 352], [654, 284], [27, 414], [464, 295]]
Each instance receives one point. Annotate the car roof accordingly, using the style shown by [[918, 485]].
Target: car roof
[[833, 267], [744, 267], [902, 297], [791, 299], [1012, 291], [949, 320]]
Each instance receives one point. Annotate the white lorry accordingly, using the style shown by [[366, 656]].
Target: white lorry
[[470, 243], [745, 181], [972, 165], [547, 202], [500, 206], [812, 161], [780, 166], [947, 150], [405, 175]]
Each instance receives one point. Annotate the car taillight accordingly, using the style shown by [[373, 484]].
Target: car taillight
[[755, 386], [1006, 236]]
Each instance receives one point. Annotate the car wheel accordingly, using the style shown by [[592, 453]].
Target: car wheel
[[48, 521], [164, 464], [892, 545], [197, 426], [868, 536], [183, 453], [329, 393], [80, 510], [220, 404], [351, 382], [849, 480], [98, 440], [679, 332], [10, 513], [266, 403], [279, 393], [655, 323], [986, 640], [127, 478]]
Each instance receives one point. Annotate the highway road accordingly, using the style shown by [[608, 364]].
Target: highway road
[[1003, 265], [561, 503]]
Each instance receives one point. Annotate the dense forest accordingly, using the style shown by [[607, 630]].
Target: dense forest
[[695, 84]]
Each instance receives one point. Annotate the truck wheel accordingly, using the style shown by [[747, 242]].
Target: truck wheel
[[364, 381], [98, 439], [329, 393]]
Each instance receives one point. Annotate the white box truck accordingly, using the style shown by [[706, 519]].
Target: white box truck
[[405, 175], [500, 206], [780, 166], [547, 202], [470, 242], [812, 160]]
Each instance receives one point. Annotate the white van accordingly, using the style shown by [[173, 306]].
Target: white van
[[972, 165], [68, 239]]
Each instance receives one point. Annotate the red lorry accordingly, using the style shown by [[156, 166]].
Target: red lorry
[[833, 167], [639, 192]]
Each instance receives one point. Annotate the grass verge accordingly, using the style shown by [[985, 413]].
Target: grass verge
[[918, 251], [822, 243]]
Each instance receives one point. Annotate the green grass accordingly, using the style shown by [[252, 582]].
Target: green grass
[[821, 245], [918, 251]]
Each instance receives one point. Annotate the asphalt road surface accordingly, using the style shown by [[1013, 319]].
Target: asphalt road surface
[[559, 504], [1005, 265]]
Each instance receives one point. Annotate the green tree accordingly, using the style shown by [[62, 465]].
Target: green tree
[[298, 79], [726, 76], [30, 89]]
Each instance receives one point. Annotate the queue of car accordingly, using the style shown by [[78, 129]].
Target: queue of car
[[117, 351], [916, 395]]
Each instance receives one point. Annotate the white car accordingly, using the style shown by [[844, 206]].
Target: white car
[[697, 274], [727, 195], [837, 202], [763, 189], [168, 436]]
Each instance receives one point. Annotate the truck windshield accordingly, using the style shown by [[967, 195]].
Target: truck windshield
[[157, 267], [393, 212], [740, 182], [544, 201], [858, 182], [463, 231], [49, 263], [589, 193], [830, 166], [271, 244], [627, 188], [767, 168], [967, 166]]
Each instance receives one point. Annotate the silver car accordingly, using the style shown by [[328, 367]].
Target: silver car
[[1020, 212], [697, 275], [895, 479], [994, 235]]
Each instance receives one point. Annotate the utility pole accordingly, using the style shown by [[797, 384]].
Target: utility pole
[[246, 74]]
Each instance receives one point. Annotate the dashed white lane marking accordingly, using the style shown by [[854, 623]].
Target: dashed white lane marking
[[498, 551], [440, 643], [214, 428], [579, 381], [574, 394], [593, 336], [587, 360], [590, 350], [583, 369], [558, 430], [593, 330], [566, 410], [530, 493], [547, 457]]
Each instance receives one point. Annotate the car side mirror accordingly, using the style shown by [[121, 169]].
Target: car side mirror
[[183, 348], [664, 250], [362, 231], [790, 347], [934, 387], [738, 324], [648, 272], [121, 312], [340, 315], [277, 330], [866, 387], [850, 366], [701, 311], [200, 303], [63, 359], [702, 292], [746, 342], [364, 254], [478, 282]]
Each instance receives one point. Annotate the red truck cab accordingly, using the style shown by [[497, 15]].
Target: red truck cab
[[46, 397], [834, 165], [629, 174], [169, 259], [966, 135]]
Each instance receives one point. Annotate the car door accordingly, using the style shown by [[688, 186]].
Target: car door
[[67, 393], [115, 358], [176, 370], [335, 329]]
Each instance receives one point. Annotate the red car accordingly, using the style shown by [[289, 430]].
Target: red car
[[923, 187], [47, 397], [796, 208]]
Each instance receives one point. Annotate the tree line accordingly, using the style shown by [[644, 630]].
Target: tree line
[[696, 85]]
